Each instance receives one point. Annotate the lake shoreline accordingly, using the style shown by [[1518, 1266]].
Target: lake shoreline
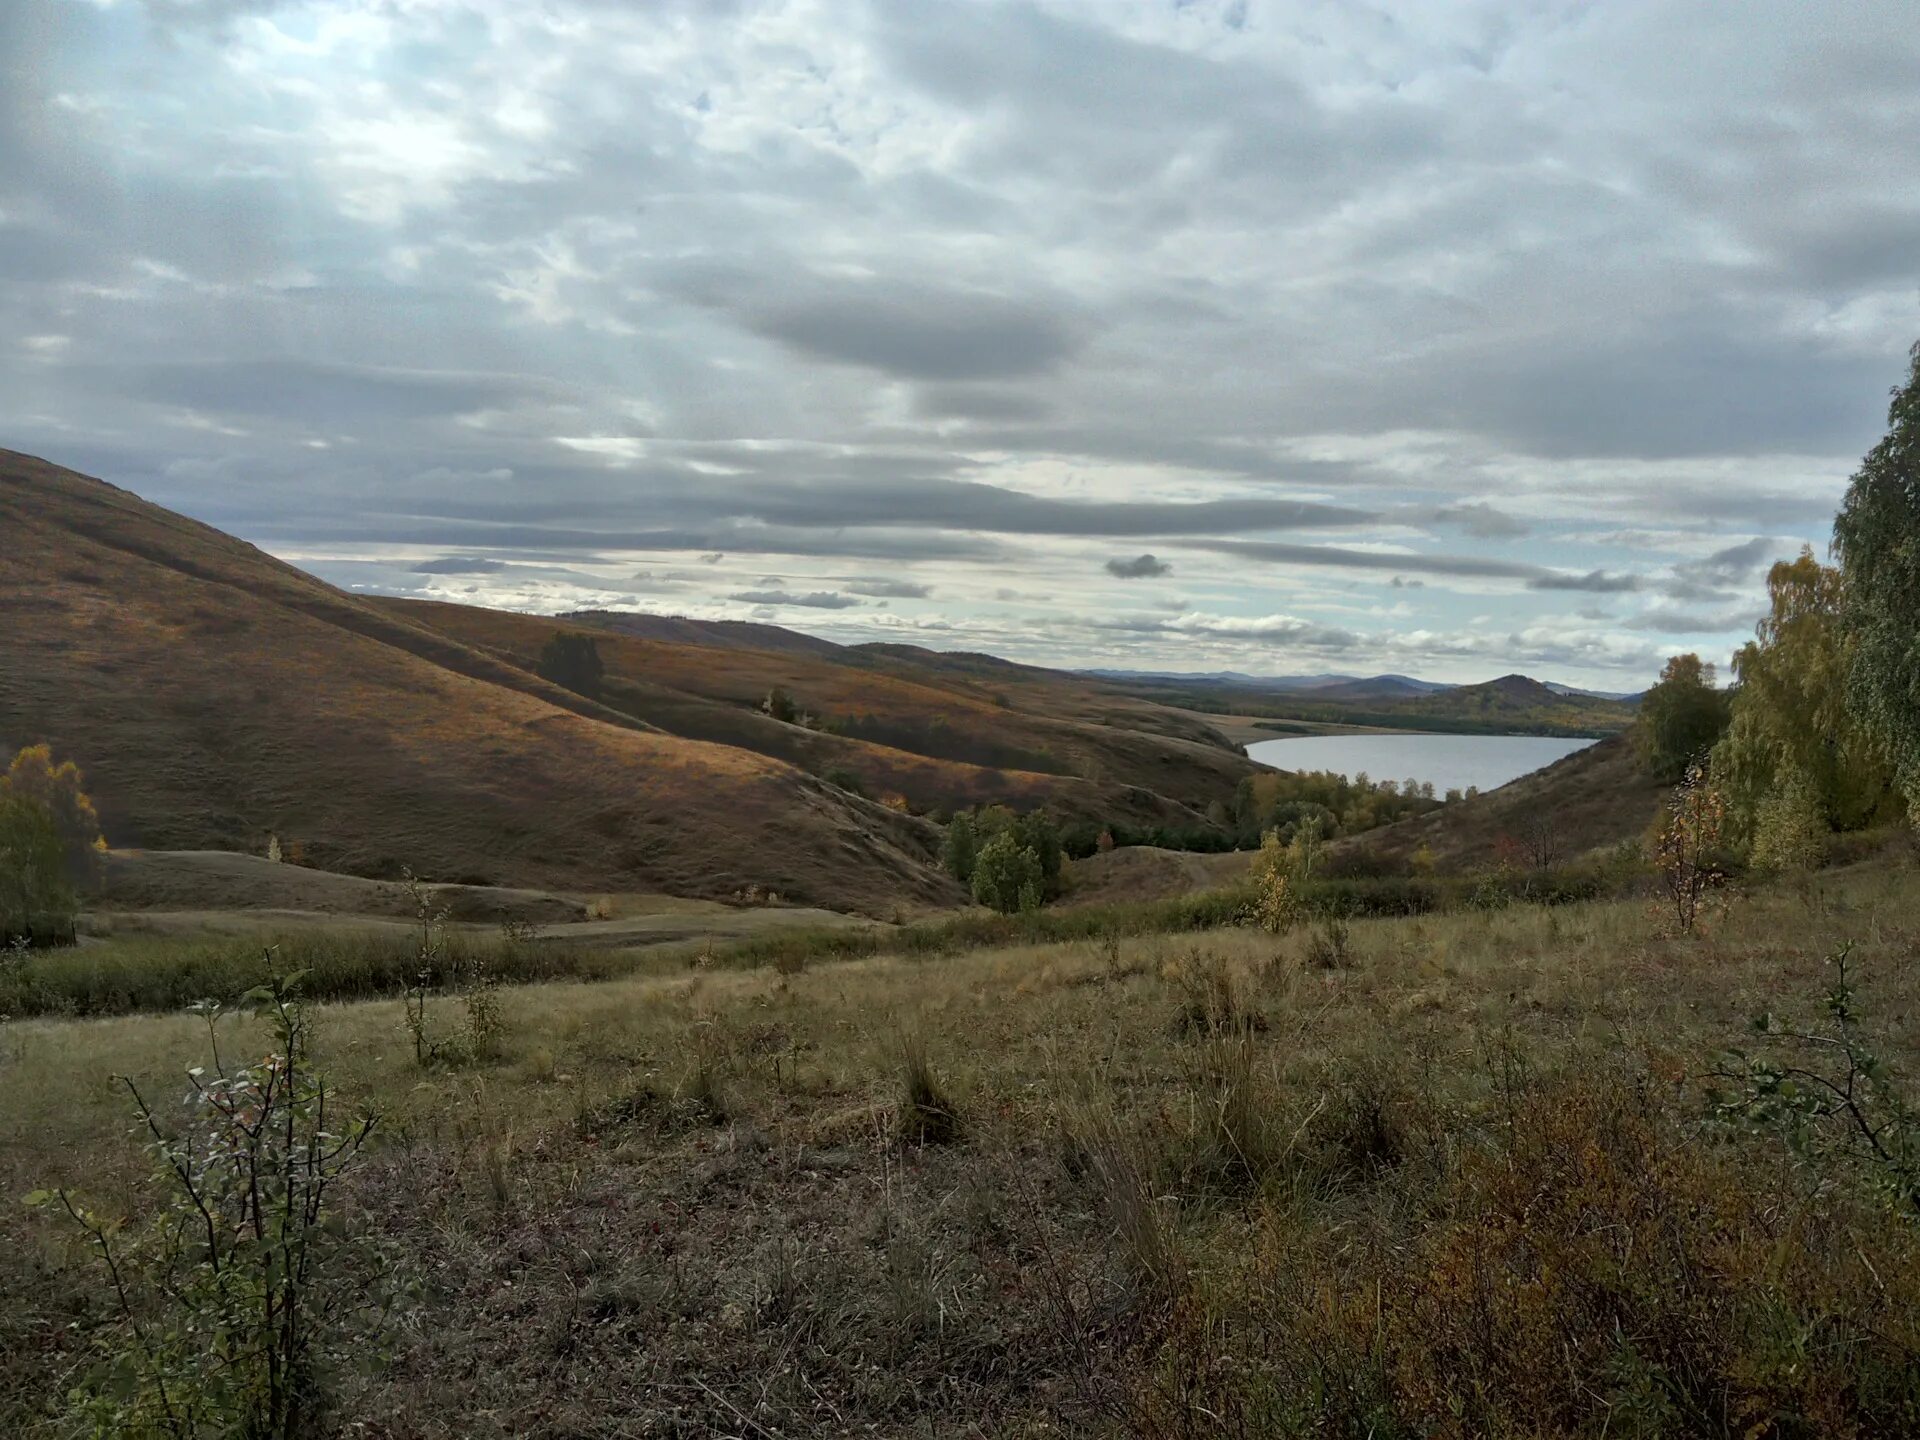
[[1446, 761]]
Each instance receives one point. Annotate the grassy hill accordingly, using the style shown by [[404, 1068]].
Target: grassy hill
[[912, 726], [215, 695], [1596, 797]]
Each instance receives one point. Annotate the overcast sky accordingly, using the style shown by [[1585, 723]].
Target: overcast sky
[[1452, 339]]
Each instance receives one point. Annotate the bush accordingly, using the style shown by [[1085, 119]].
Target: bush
[[37, 901], [232, 1303], [1007, 875], [61, 791], [960, 847], [1680, 718], [1580, 1265], [927, 1116]]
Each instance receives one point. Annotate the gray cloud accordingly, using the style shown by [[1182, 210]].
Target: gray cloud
[[889, 589], [459, 565], [1140, 567], [1039, 282], [925, 335], [1594, 582], [1668, 620], [1480, 520], [813, 600]]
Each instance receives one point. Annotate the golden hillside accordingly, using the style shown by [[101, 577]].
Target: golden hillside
[[215, 695]]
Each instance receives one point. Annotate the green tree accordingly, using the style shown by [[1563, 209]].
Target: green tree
[[572, 660], [1007, 875], [1790, 828], [1036, 831], [1877, 537], [1680, 718], [960, 848], [37, 900], [61, 791], [1792, 725]]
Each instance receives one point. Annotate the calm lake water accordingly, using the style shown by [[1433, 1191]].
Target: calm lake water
[[1449, 761]]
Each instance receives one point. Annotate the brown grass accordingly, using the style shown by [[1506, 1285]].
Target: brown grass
[[1458, 1186], [214, 695], [1594, 798], [1055, 743]]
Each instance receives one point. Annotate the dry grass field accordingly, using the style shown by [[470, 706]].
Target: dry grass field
[[1454, 1178]]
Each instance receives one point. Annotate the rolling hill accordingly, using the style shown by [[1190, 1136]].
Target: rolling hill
[[1594, 798], [215, 695], [902, 728]]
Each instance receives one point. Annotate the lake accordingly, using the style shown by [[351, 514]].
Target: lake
[[1449, 761]]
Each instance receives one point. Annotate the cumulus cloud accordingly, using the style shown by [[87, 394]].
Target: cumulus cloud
[[1140, 567]]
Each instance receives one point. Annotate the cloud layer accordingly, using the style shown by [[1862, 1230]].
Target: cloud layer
[[1222, 333]]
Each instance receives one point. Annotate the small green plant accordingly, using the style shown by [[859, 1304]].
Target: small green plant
[[1827, 1094], [232, 1303]]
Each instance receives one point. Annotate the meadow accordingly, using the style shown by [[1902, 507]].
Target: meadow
[[1444, 1174]]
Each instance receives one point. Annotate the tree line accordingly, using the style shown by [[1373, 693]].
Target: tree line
[[1819, 731]]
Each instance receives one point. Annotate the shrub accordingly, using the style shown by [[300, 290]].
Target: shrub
[[960, 848], [779, 706], [1688, 849], [1680, 718], [841, 778], [1587, 1266], [1007, 875], [37, 901], [1827, 1094], [233, 1302], [927, 1116], [1213, 998], [1789, 829], [61, 791], [1330, 946], [1276, 895]]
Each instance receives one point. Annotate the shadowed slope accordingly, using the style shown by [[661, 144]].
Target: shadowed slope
[[214, 695], [1593, 798]]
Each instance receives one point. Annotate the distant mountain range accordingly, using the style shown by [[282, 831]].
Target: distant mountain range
[[1511, 704], [1341, 687]]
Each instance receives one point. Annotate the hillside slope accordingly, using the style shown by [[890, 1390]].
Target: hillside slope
[[1593, 798], [902, 723], [215, 695]]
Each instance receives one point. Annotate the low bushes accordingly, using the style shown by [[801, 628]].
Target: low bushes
[[1589, 1267], [118, 976]]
